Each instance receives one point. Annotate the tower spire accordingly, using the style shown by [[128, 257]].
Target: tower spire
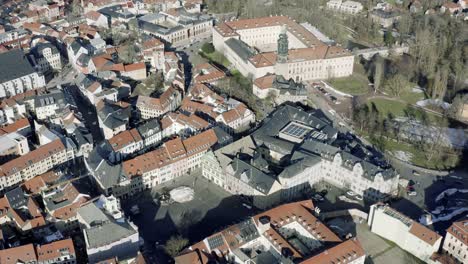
[[283, 45]]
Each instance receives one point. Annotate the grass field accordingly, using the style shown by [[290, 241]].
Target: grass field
[[399, 109], [355, 84], [216, 57], [418, 157]]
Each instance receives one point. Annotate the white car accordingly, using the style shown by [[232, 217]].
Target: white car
[[246, 206], [412, 193], [358, 197], [350, 193]]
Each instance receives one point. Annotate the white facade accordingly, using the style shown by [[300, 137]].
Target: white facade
[[48, 59], [348, 7], [19, 169], [21, 84], [305, 61], [121, 247], [455, 244], [406, 233]]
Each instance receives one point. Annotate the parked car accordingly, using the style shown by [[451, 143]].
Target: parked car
[[247, 206], [318, 198], [350, 193], [412, 193], [358, 197]]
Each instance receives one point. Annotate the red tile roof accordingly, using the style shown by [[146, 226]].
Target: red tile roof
[[21, 254], [54, 250], [345, 252], [32, 157], [459, 230]]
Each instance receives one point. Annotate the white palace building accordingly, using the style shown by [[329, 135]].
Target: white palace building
[[277, 44]]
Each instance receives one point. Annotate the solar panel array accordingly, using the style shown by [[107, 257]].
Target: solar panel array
[[215, 241], [295, 130]]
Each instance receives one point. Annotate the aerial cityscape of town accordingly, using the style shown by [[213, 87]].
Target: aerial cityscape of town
[[234, 131]]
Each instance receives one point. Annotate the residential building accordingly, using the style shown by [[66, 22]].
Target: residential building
[[59, 252], [136, 71], [230, 114], [46, 105], [46, 57], [153, 52], [20, 210], [385, 18], [278, 44], [348, 7], [181, 124], [168, 101], [17, 75], [207, 73], [94, 18], [177, 26], [13, 145], [289, 233], [62, 202], [113, 117], [279, 89], [172, 159], [456, 241], [408, 234], [150, 132], [21, 126], [125, 143], [34, 163]]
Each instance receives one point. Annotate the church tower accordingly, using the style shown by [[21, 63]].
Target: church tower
[[281, 67]]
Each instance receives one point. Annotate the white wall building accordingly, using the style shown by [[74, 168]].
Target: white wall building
[[408, 234], [286, 48], [47, 57], [17, 75], [456, 241], [348, 7]]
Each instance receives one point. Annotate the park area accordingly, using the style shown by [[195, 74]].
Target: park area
[[356, 84]]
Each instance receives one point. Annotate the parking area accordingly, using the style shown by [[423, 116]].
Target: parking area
[[211, 209]]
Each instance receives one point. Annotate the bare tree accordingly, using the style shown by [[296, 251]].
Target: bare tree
[[378, 73], [396, 85], [175, 244]]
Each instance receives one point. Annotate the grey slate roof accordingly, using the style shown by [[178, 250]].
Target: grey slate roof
[[49, 99], [289, 86], [108, 232], [107, 174], [239, 47], [149, 128], [16, 198], [113, 115], [92, 215], [227, 153], [254, 177], [39, 49], [13, 65]]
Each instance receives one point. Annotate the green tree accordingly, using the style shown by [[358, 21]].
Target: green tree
[[388, 38], [378, 73], [175, 244], [76, 8], [208, 48], [128, 54]]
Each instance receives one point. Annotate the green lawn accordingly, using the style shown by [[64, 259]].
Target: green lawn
[[216, 57], [412, 97], [355, 84], [399, 109], [418, 156]]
